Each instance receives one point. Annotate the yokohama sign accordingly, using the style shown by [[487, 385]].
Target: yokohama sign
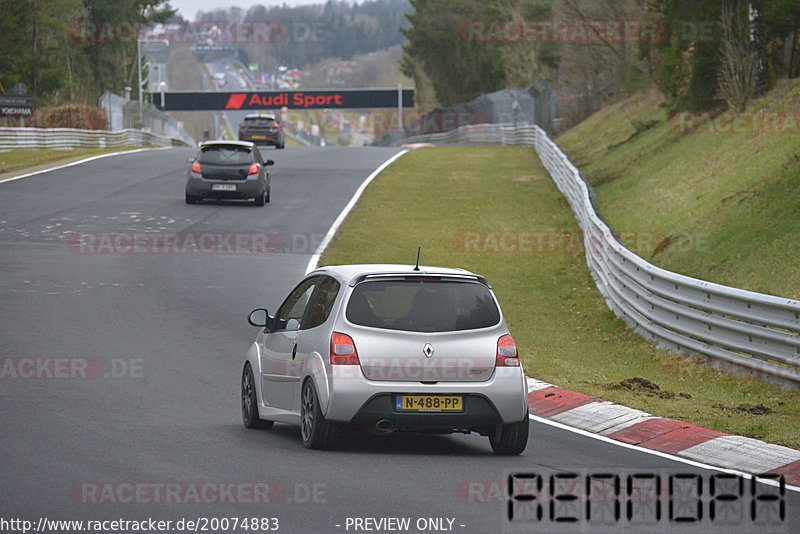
[[16, 106], [343, 99]]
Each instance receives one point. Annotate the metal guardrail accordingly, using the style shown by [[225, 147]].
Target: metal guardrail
[[480, 134], [734, 329], [64, 138]]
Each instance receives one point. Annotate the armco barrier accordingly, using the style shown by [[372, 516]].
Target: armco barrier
[[480, 134], [64, 138], [735, 329]]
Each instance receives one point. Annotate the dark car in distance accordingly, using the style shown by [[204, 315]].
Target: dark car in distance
[[228, 170], [262, 129]]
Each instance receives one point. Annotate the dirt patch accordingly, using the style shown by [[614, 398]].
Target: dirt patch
[[642, 385], [639, 128], [742, 196], [749, 409], [602, 176], [662, 245]]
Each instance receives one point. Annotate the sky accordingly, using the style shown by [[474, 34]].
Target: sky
[[189, 8]]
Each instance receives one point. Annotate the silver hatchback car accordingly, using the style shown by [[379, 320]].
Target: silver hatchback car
[[389, 348]]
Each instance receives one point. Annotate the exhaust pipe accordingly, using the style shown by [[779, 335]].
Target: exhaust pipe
[[384, 426]]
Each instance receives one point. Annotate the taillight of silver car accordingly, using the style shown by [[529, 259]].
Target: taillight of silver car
[[507, 355], [343, 350]]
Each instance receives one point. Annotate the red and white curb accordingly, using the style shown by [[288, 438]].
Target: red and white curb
[[684, 440]]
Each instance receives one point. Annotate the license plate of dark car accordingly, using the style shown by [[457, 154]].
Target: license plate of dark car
[[223, 187], [429, 403]]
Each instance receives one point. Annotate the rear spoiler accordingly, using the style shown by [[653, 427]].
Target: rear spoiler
[[422, 275]]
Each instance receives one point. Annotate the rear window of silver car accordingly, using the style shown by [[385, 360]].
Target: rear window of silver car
[[422, 306]]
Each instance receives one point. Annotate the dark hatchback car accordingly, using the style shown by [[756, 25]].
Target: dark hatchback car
[[228, 170], [262, 130]]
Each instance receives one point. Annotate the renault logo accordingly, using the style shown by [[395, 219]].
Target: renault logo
[[427, 350]]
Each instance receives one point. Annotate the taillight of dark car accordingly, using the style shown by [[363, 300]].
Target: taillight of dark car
[[254, 169], [196, 168], [343, 350], [243, 127], [507, 355]]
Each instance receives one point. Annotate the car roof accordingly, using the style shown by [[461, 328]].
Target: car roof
[[352, 274], [221, 142]]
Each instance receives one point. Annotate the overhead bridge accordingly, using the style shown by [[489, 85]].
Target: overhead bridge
[[258, 100]]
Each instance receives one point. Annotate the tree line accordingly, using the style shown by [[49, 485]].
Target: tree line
[[314, 33], [72, 50], [700, 54]]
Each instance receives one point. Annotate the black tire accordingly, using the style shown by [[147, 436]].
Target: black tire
[[260, 200], [510, 440], [280, 146], [316, 431], [250, 416], [190, 199], [266, 199]]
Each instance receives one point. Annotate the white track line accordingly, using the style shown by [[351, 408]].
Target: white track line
[[314, 261], [34, 173]]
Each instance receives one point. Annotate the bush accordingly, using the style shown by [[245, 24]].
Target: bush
[[71, 116]]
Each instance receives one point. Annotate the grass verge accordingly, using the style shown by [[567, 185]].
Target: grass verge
[[495, 211], [292, 142], [15, 162]]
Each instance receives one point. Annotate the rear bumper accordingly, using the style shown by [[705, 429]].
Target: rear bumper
[[479, 415], [267, 139], [502, 399], [201, 188]]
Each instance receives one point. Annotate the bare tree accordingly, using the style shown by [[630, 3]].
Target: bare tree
[[737, 76], [594, 72], [757, 45], [525, 62]]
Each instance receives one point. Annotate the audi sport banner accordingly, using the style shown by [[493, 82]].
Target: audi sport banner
[[323, 99], [16, 106]]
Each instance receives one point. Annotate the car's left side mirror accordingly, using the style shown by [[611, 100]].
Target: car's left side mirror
[[260, 318], [269, 162]]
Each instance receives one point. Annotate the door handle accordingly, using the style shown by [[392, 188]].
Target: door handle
[[294, 351]]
